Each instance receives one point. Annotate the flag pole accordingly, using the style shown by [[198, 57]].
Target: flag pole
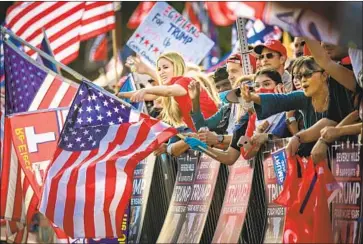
[[115, 54]]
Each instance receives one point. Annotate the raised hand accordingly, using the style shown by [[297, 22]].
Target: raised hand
[[136, 65], [194, 89]]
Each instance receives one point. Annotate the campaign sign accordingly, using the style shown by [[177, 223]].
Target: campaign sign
[[183, 189], [200, 201], [347, 204], [35, 136], [235, 203], [140, 194], [279, 163], [274, 167], [164, 29]]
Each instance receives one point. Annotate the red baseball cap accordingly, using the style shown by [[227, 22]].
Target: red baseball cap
[[236, 58], [274, 45]]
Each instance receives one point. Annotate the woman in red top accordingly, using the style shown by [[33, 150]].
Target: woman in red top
[[173, 89]]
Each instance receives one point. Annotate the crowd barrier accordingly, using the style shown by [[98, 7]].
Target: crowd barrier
[[195, 199]]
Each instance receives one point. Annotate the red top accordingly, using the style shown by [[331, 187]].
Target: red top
[[207, 105]]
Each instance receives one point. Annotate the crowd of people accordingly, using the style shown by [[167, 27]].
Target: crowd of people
[[314, 97]]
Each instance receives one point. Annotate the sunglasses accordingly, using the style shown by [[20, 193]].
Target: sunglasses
[[307, 74], [267, 55]]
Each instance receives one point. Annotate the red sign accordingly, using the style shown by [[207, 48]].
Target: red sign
[[35, 137]]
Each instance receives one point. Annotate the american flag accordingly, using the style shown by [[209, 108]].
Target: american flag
[[30, 87], [18, 199], [89, 183], [66, 23]]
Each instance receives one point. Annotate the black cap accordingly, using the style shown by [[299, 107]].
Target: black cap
[[220, 74]]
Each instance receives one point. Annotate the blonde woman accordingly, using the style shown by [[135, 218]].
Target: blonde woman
[[173, 89]]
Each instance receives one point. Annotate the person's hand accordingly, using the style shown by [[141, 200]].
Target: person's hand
[[259, 139], [279, 88], [263, 126], [136, 65], [209, 137], [194, 89], [290, 114], [194, 143], [330, 133], [292, 146], [161, 149], [246, 93], [138, 96], [319, 152]]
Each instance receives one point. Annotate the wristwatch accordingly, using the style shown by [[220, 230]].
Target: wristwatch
[[220, 138], [290, 120]]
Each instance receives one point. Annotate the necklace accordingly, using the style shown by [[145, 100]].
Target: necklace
[[325, 108]]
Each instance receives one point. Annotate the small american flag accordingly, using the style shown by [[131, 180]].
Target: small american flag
[[89, 181]]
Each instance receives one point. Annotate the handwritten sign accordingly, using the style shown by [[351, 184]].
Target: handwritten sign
[[164, 29]]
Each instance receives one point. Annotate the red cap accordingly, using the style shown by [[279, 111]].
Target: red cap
[[236, 58], [274, 45]]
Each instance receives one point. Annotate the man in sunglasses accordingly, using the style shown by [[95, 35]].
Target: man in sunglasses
[[272, 54]]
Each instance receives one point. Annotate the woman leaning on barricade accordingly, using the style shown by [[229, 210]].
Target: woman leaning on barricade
[[173, 88], [323, 101]]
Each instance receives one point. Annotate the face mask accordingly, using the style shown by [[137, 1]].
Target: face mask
[[265, 90], [223, 96]]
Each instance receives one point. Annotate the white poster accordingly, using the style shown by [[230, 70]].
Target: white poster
[[164, 29]]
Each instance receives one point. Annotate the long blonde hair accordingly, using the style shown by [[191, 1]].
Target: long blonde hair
[[210, 88], [171, 112]]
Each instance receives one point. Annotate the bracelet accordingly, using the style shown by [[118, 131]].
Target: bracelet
[[168, 149], [298, 138]]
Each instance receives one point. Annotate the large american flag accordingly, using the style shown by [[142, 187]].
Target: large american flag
[[66, 23], [89, 182], [18, 200]]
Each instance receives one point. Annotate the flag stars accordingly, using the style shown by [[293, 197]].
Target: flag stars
[[93, 143], [89, 98], [100, 94], [109, 113], [78, 139], [99, 117], [89, 120], [82, 145], [74, 133], [116, 109], [120, 119], [123, 106], [105, 103], [79, 120], [97, 107], [90, 138], [111, 100], [65, 138], [85, 132], [70, 145], [98, 130], [81, 92], [89, 109], [93, 97], [111, 123]]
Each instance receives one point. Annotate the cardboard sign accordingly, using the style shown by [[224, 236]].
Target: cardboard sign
[[164, 29]]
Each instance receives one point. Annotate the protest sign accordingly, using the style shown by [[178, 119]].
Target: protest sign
[[347, 204], [164, 29], [235, 203], [274, 164], [140, 194]]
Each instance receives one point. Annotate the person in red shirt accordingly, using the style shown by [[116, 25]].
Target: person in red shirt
[[176, 102]]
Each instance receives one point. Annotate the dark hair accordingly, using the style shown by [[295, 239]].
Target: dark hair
[[220, 74], [271, 73], [304, 61]]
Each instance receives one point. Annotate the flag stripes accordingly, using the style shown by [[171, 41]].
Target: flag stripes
[[66, 24]]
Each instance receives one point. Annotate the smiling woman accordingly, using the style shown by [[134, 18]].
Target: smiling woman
[[176, 103]]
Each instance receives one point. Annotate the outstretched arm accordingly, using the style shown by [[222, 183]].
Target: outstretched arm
[[341, 74]]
